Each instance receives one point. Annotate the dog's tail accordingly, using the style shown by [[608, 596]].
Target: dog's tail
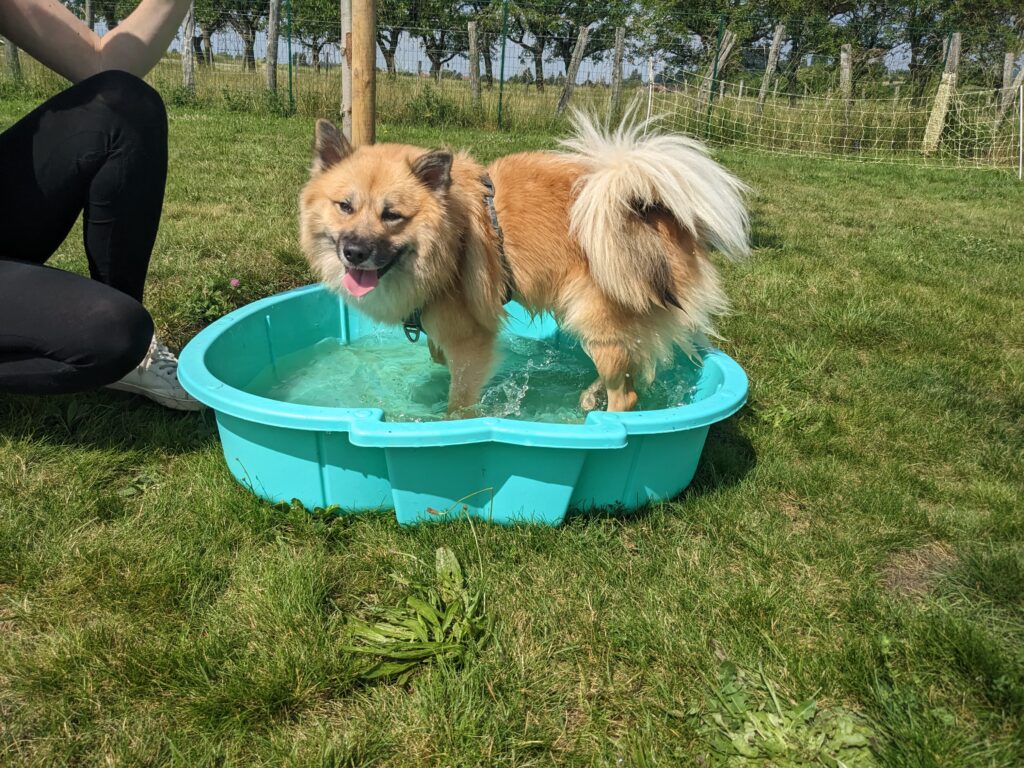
[[631, 173]]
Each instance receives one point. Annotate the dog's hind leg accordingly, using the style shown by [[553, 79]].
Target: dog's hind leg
[[615, 366]]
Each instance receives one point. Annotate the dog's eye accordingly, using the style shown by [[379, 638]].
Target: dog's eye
[[388, 215], [344, 206]]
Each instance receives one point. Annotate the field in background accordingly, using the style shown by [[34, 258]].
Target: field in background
[[879, 126], [853, 536]]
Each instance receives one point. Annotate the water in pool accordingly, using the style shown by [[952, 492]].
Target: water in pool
[[534, 381]]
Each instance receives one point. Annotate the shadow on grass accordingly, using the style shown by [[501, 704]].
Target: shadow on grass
[[727, 458], [104, 419]]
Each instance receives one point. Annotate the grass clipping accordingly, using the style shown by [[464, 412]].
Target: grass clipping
[[440, 623], [748, 723]]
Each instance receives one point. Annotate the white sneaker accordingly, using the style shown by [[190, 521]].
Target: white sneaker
[[156, 377]]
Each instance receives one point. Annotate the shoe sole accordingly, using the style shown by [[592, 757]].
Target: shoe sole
[[165, 400]]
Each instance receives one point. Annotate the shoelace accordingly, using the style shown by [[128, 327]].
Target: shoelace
[[161, 358]]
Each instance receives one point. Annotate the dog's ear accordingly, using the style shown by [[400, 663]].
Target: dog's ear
[[434, 170], [329, 147]]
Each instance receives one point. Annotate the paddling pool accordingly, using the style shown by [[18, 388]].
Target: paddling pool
[[501, 469]]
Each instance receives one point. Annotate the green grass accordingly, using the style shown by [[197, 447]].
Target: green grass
[[855, 532]]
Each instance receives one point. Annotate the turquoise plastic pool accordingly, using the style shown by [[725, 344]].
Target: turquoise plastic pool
[[499, 469]]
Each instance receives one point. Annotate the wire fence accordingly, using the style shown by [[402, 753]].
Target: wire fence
[[768, 85]]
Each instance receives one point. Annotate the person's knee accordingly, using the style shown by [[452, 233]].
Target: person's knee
[[117, 333]]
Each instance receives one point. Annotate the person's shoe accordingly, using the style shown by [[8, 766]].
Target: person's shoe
[[156, 377]]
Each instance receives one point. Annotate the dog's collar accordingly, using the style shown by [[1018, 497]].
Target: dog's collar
[[413, 324]]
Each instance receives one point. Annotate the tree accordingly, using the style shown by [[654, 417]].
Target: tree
[[533, 27], [601, 16], [441, 26], [316, 24], [211, 18], [247, 17], [394, 18]]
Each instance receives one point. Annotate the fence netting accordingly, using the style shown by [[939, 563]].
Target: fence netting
[[895, 91]]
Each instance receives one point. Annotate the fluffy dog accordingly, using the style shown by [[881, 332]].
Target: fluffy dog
[[611, 235]]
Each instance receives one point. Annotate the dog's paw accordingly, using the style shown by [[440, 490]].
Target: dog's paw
[[594, 397]]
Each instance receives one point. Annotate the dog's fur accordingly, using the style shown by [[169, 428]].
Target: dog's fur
[[610, 235]]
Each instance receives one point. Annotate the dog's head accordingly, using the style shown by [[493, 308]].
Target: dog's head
[[373, 222]]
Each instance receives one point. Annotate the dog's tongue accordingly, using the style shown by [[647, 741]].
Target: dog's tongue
[[360, 282]]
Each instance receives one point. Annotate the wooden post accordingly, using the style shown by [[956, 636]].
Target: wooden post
[[616, 99], [474, 66], [364, 71], [937, 119], [188, 51], [13, 61], [769, 70], [739, 96], [846, 73], [724, 50], [273, 30], [1009, 92], [574, 68], [1009, 87], [345, 11], [89, 22]]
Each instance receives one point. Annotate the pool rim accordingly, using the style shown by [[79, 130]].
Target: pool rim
[[366, 426]]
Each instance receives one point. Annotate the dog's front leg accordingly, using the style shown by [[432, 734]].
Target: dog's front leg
[[469, 361]]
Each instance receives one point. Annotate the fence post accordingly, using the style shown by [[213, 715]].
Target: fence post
[[88, 14], [714, 65], [574, 68], [620, 44], [364, 71], [1010, 87], [291, 95], [188, 32], [13, 61], [769, 69], [501, 74], [937, 119], [846, 74], [345, 11], [273, 31], [1020, 131], [474, 66], [650, 90]]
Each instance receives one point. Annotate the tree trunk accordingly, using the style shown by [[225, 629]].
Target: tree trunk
[[314, 52], [488, 61], [208, 47], [538, 62], [846, 74], [273, 30], [249, 55], [188, 63], [12, 58], [89, 21], [572, 70]]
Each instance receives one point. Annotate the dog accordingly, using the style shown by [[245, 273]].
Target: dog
[[611, 235]]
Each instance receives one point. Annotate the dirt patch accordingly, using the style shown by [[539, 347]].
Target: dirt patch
[[912, 573]]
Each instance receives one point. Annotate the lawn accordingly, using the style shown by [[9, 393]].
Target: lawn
[[855, 536]]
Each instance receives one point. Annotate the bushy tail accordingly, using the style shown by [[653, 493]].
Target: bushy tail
[[632, 169]]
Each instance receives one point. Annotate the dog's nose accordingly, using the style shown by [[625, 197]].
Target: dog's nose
[[356, 253]]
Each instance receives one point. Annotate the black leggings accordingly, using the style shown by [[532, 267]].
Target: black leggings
[[98, 148]]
